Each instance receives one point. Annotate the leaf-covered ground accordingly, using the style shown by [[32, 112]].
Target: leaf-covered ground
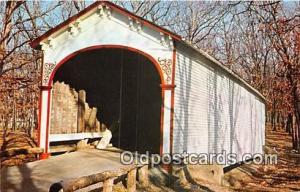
[[285, 176], [16, 140]]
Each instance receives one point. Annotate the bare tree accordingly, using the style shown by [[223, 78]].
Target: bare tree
[[155, 11], [22, 21]]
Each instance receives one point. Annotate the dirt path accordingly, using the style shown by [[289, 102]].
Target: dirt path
[[285, 176]]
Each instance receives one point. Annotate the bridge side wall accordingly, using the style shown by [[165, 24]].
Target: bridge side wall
[[213, 110]]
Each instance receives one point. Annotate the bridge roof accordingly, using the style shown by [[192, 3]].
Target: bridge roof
[[36, 43]]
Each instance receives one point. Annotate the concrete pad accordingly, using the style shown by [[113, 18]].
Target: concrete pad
[[40, 175]]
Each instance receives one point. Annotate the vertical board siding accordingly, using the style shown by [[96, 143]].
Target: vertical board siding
[[213, 112]]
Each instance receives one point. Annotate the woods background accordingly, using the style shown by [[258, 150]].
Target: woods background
[[260, 41]]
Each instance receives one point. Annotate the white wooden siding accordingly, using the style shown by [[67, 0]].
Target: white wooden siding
[[214, 112]]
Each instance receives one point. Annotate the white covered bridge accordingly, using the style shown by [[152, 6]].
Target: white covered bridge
[[153, 90]]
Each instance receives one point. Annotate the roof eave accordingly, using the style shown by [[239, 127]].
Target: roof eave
[[35, 44]]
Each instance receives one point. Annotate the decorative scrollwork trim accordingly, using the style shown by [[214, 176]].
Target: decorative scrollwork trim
[[166, 66], [47, 70]]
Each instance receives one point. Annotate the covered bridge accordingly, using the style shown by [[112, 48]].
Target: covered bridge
[[153, 90]]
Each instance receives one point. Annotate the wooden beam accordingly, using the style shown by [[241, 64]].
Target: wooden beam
[[108, 185], [85, 181], [131, 181], [92, 119], [81, 111], [143, 176]]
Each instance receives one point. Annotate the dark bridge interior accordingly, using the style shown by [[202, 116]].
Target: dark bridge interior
[[125, 88]]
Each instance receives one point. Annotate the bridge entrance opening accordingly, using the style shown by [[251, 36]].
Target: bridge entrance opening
[[124, 86]]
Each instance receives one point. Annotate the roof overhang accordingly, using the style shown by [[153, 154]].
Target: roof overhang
[[36, 44]]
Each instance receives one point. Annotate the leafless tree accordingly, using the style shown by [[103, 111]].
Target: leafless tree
[[21, 22]]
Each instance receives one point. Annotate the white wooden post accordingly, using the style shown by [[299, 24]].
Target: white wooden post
[[44, 123], [166, 120]]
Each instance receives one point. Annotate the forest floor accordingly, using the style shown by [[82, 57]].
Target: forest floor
[[16, 140], [285, 176]]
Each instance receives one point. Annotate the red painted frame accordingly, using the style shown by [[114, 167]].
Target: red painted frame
[[64, 60], [172, 99], [156, 64]]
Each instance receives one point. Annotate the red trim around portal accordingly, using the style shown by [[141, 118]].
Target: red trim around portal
[[35, 43], [39, 120], [44, 155], [167, 87], [162, 122], [45, 87], [154, 62], [48, 120], [40, 105], [172, 100]]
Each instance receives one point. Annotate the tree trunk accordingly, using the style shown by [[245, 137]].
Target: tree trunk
[[273, 118], [289, 123], [297, 129], [273, 115], [296, 95], [294, 133]]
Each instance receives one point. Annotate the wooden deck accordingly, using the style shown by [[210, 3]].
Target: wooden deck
[[39, 175]]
